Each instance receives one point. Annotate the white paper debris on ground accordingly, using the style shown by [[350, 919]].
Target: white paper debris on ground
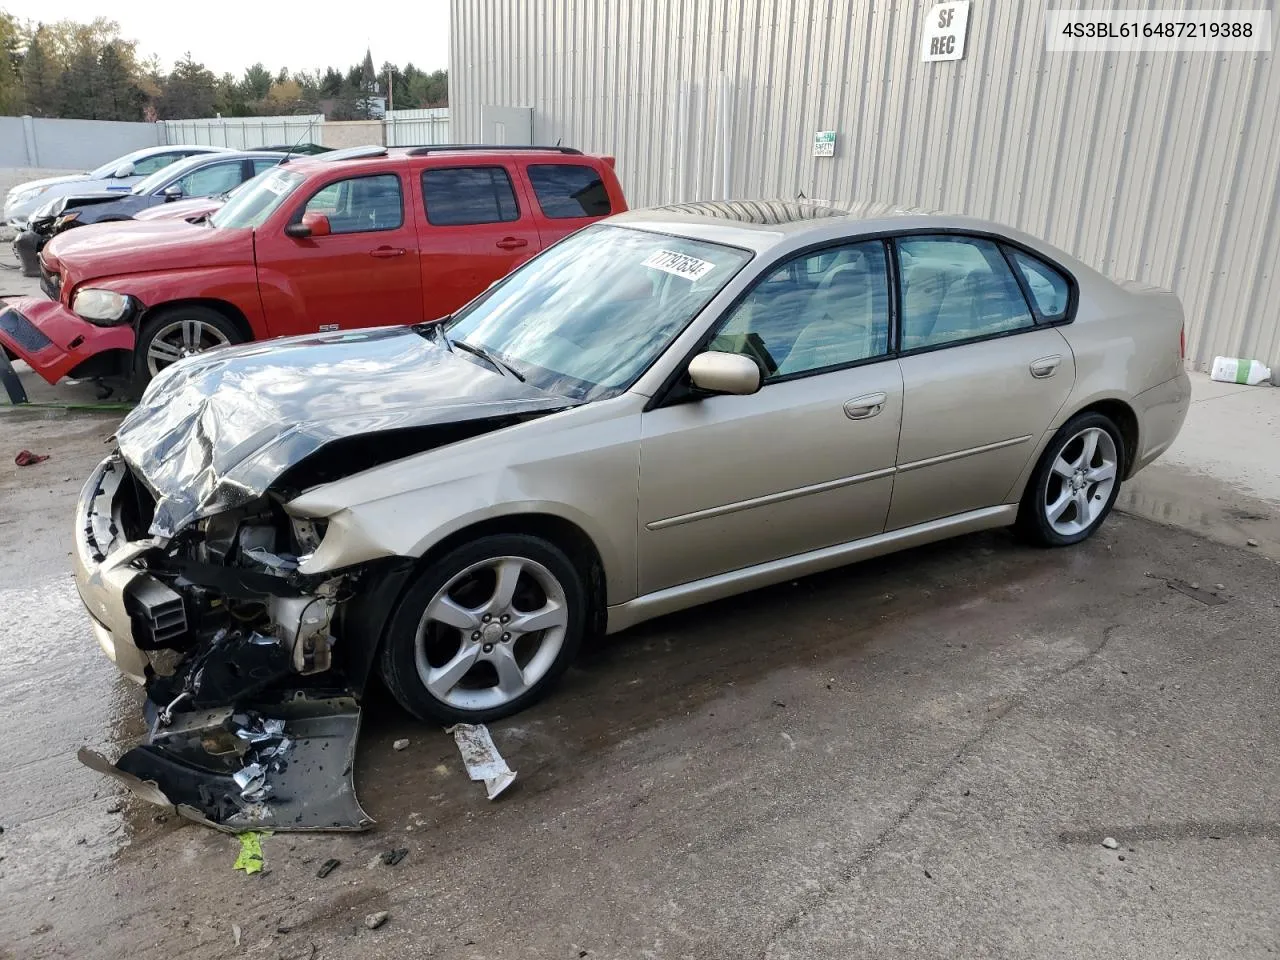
[[481, 757], [1110, 843]]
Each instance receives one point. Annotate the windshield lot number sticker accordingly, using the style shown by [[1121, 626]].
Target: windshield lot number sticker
[[680, 264]]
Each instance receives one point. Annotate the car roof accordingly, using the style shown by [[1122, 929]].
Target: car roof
[[761, 225]]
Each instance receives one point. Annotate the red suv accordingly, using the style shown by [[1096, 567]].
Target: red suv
[[354, 238]]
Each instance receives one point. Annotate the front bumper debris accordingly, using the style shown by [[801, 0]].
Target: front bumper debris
[[285, 766], [250, 730], [53, 340]]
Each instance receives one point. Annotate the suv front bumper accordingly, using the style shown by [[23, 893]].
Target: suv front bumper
[[53, 340]]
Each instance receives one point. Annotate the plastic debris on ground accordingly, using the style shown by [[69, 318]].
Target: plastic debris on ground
[[328, 867], [1239, 370], [26, 458], [374, 920], [481, 757], [392, 857], [250, 859], [1110, 843]]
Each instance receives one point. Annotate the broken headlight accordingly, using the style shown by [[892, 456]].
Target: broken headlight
[[103, 307], [308, 533]]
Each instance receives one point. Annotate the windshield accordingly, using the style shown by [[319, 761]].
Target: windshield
[[257, 199], [590, 314]]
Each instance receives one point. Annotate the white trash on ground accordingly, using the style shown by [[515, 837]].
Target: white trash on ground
[[1239, 370], [481, 757]]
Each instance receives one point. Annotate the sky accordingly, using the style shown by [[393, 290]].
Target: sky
[[277, 33]]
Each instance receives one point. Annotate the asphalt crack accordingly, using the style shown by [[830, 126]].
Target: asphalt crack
[[872, 849]]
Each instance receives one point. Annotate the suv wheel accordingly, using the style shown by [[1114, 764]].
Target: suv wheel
[[179, 332], [486, 630]]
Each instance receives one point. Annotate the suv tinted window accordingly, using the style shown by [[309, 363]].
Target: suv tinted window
[[566, 190], [956, 288], [819, 311], [360, 204], [461, 195], [1048, 287]]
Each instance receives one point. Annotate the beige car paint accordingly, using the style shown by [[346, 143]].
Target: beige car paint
[[692, 502]]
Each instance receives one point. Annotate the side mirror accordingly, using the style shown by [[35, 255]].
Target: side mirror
[[731, 373], [312, 225], [172, 192], [124, 170]]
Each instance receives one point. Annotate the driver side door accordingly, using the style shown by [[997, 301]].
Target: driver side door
[[728, 482]]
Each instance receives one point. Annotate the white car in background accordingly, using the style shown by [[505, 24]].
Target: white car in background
[[120, 174]]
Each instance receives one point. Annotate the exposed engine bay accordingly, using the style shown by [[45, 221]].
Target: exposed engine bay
[[250, 723]]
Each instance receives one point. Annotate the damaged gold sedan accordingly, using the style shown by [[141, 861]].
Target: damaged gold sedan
[[667, 408]]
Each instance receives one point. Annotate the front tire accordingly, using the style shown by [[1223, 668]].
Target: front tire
[[178, 332], [1075, 484], [486, 630]]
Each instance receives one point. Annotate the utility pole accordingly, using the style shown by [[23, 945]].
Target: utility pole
[[391, 93]]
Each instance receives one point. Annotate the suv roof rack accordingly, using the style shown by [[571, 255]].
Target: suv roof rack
[[442, 147], [351, 153]]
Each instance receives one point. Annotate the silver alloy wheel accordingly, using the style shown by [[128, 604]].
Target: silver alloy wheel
[[181, 338], [494, 647], [1080, 482]]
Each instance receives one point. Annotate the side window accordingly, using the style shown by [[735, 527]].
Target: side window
[[1049, 288], [956, 288], [211, 180], [566, 190], [460, 195], [263, 163], [821, 310], [360, 204], [158, 161]]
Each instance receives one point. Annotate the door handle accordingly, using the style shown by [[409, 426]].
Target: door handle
[[864, 408], [1045, 367], [512, 243], [383, 253]]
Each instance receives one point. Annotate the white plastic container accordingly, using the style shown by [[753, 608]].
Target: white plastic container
[[1236, 370]]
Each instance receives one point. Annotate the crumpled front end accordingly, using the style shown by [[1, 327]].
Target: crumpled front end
[[252, 724]]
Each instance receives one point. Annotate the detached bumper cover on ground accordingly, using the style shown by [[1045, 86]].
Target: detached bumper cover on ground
[[53, 340]]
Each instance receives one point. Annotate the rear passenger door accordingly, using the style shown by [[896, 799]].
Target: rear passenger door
[[568, 196], [983, 376], [478, 229]]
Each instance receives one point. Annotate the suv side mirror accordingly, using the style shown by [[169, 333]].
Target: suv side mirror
[[312, 225], [732, 373], [172, 192], [124, 170]]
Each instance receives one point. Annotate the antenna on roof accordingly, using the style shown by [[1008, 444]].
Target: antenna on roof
[[289, 153], [558, 140]]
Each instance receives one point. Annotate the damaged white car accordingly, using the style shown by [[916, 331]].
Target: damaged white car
[[663, 409]]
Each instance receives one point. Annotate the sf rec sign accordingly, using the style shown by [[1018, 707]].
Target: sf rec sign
[[944, 32]]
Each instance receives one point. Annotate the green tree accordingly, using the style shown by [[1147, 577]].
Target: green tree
[[11, 94], [40, 75], [189, 91], [118, 96], [256, 83]]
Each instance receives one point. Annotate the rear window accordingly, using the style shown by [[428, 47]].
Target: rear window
[[567, 190], [1048, 287], [460, 195]]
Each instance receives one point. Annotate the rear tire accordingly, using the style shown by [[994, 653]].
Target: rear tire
[[486, 630], [1075, 484], [177, 332]]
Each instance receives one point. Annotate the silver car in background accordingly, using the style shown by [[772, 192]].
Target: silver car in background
[[119, 174]]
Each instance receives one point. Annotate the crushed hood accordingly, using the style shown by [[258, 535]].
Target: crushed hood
[[218, 429], [106, 250]]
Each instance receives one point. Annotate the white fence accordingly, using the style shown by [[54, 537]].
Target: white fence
[[70, 144], [417, 128], [245, 133]]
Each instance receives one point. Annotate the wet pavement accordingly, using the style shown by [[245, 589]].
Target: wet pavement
[[915, 756]]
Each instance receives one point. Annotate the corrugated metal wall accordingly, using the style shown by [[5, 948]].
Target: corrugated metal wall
[[1162, 167]]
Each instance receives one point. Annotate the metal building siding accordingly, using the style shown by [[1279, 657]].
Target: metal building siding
[[1162, 167]]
